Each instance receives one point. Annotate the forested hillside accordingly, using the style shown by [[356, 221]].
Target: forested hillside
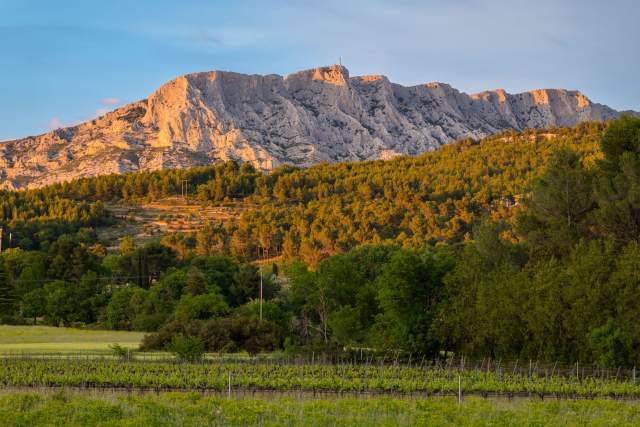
[[327, 209], [518, 246]]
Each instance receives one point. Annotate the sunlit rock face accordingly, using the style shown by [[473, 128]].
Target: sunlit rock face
[[318, 115]]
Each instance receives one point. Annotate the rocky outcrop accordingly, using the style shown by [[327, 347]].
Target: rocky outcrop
[[319, 115]]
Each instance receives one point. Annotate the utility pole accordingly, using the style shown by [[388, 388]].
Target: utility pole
[[260, 292]]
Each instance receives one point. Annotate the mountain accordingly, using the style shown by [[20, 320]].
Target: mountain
[[313, 116]]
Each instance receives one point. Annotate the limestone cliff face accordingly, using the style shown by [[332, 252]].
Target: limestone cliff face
[[319, 115]]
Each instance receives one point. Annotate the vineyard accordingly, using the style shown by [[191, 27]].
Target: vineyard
[[422, 378]]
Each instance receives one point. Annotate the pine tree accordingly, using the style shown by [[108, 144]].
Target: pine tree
[[7, 297]]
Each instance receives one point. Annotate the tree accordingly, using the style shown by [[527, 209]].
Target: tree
[[246, 285], [492, 249], [182, 244], [621, 137], [211, 239], [127, 245], [276, 311], [611, 347], [31, 277], [188, 348], [623, 289], [200, 307], [69, 258], [559, 202], [34, 304], [119, 313], [69, 302], [7, 295], [409, 293], [618, 184], [62, 298], [146, 264], [346, 325], [196, 282], [308, 302], [219, 272]]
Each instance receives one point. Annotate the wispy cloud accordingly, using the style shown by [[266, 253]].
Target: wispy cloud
[[108, 102], [55, 123], [99, 112]]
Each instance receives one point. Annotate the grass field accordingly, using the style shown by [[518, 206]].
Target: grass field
[[47, 339], [192, 409]]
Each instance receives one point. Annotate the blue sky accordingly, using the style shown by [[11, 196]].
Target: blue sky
[[62, 62]]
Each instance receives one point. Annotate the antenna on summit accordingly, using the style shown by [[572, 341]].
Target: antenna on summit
[[340, 60]]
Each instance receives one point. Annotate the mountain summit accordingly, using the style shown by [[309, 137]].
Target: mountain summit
[[312, 116]]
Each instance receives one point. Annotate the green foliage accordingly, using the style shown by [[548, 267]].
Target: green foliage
[[572, 298], [339, 297], [610, 345], [323, 210], [276, 311], [36, 218], [232, 180], [521, 246], [200, 307], [33, 304], [316, 212], [381, 296], [191, 409], [560, 200], [409, 293], [258, 374], [127, 245], [196, 283], [119, 311], [186, 348], [618, 185], [144, 265], [621, 138], [120, 352], [7, 296], [69, 302], [226, 334]]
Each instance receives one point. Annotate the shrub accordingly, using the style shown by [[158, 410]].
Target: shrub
[[186, 348], [225, 335], [120, 352], [611, 347]]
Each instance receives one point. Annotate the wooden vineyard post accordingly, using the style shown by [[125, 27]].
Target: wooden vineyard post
[[459, 390], [229, 390]]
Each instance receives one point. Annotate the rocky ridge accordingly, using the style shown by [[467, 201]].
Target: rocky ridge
[[312, 116]]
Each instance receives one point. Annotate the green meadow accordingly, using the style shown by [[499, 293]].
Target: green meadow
[[192, 409], [48, 339]]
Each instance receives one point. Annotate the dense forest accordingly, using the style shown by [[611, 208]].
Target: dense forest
[[517, 246]]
